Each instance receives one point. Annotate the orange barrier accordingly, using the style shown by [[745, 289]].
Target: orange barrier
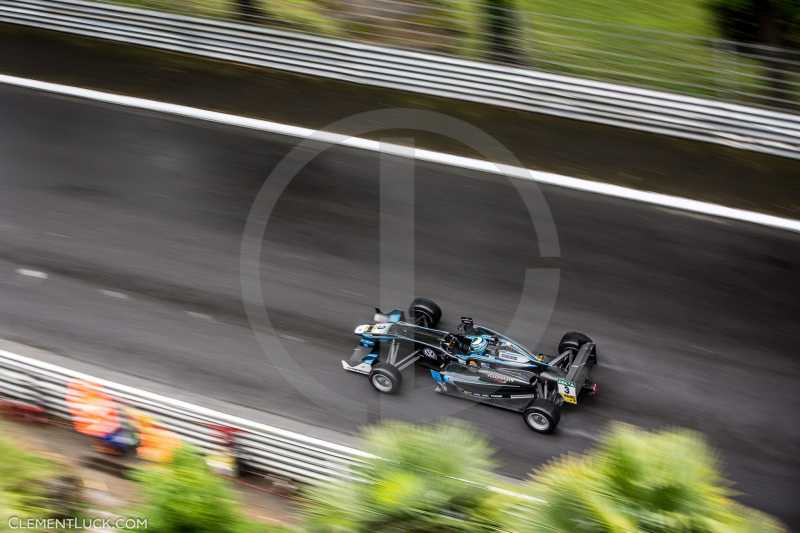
[[96, 413], [93, 412], [155, 443]]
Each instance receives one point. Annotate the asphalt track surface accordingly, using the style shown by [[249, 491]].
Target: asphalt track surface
[[137, 221]]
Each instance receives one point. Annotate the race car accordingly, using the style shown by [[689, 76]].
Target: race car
[[475, 362]]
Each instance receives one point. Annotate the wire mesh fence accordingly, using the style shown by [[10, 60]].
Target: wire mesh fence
[[540, 36]]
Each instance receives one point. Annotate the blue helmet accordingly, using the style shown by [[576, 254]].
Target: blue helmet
[[478, 345]]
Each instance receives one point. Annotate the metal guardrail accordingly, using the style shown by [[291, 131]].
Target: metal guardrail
[[658, 112], [541, 35], [264, 448]]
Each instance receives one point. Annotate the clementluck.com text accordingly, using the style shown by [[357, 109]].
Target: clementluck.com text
[[82, 522]]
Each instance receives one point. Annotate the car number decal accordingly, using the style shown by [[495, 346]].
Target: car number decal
[[567, 391], [381, 328]]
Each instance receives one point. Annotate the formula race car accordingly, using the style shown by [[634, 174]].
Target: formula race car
[[475, 362]]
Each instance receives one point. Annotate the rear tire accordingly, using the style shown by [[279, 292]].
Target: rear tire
[[573, 340], [542, 416], [385, 378], [425, 312]]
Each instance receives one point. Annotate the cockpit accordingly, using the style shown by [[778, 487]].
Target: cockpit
[[455, 343]]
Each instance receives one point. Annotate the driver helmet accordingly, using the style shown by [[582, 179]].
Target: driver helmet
[[478, 345]]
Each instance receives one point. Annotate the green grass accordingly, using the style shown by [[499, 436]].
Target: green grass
[[304, 15], [200, 8], [638, 42]]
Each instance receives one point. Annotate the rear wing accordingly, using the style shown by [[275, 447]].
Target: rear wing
[[577, 374]]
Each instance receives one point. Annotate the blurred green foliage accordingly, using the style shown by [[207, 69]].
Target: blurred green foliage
[[32, 486], [622, 40], [637, 481], [185, 495], [21, 476], [421, 479], [303, 15], [673, 46], [435, 480]]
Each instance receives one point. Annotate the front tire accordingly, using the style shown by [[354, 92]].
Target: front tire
[[385, 378], [542, 416]]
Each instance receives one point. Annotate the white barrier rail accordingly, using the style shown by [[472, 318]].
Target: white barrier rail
[[263, 448], [735, 125]]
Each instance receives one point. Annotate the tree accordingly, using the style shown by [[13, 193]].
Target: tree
[[771, 23], [666, 481], [502, 30], [248, 11], [419, 479], [184, 495]]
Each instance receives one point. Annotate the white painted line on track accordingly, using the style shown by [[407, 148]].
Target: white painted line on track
[[201, 316], [579, 433], [115, 294], [547, 178], [38, 274], [291, 338]]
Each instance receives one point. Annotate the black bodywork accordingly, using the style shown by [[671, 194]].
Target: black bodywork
[[475, 363]]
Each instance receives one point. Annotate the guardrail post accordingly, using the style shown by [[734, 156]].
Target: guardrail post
[[247, 11]]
